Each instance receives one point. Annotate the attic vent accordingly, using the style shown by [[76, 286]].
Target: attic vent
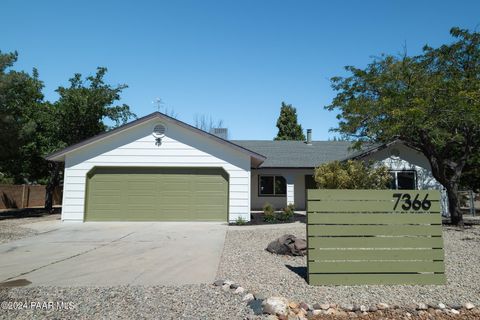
[[159, 131]]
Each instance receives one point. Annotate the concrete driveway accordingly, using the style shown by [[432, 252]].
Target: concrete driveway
[[119, 253]]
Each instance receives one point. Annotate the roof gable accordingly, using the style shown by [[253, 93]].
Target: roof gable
[[257, 158]]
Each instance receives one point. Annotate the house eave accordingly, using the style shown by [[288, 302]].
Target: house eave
[[59, 156]]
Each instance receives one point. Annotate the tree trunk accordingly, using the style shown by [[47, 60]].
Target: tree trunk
[[53, 182], [456, 215]]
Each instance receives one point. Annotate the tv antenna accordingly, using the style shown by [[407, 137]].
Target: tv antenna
[[158, 103]]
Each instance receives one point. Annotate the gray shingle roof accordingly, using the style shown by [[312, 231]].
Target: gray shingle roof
[[298, 154]]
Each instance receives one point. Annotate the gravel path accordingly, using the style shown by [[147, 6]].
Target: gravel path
[[12, 229], [128, 302], [246, 262]]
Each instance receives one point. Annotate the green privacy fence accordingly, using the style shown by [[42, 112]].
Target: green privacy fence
[[374, 237]]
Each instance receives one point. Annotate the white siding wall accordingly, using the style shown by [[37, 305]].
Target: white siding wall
[[136, 147], [298, 178]]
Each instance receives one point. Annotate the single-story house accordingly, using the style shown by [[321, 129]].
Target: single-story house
[[160, 168]]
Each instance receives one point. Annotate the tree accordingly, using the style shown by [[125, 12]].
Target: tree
[[352, 174], [206, 123], [81, 111], [91, 101], [287, 124], [431, 101], [23, 133]]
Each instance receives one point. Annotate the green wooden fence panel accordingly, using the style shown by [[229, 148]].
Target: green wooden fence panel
[[377, 278], [376, 266], [372, 218], [374, 230], [319, 254], [375, 242], [364, 206], [365, 195], [358, 237]]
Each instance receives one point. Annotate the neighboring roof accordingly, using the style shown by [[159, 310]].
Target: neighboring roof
[[257, 158], [298, 154]]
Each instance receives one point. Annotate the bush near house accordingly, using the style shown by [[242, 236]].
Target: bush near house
[[287, 213], [352, 174], [269, 213]]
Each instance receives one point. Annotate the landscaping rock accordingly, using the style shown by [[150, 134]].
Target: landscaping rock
[[248, 297], [304, 306], [455, 312], [288, 245], [300, 244], [218, 283], [317, 312], [259, 296], [234, 286], [363, 308], [347, 307], [469, 306], [382, 306], [239, 290], [276, 306], [324, 306], [226, 287], [256, 306], [330, 311], [422, 306], [441, 306]]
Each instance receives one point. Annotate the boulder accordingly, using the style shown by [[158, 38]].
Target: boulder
[[288, 245]]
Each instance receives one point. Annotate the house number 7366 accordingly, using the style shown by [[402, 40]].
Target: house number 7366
[[415, 204]]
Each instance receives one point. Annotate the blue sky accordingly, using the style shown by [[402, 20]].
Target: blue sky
[[234, 60]]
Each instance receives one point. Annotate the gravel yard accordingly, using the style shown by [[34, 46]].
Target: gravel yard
[[128, 302], [119, 302], [12, 229], [246, 262]]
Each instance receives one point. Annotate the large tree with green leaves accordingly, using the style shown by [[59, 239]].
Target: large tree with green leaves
[[287, 124], [82, 110], [25, 130], [431, 101], [86, 104]]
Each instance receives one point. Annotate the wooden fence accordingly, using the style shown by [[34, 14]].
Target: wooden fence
[[374, 237], [26, 196]]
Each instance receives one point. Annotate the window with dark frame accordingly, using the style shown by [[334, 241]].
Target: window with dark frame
[[273, 186], [403, 180]]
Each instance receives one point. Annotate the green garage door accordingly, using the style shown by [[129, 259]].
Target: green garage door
[[157, 194]]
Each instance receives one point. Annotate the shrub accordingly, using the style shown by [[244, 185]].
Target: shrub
[[287, 213], [352, 174], [240, 221], [269, 213]]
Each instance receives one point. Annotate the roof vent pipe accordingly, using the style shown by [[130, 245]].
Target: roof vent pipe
[[309, 136]]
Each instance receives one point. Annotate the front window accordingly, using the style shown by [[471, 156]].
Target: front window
[[272, 186], [403, 180]]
